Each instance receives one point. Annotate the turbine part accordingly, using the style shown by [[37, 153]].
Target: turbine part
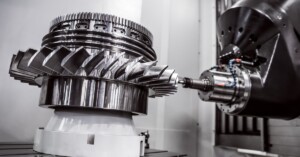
[[93, 66]]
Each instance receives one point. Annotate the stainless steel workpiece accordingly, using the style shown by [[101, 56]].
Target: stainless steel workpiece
[[94, 45], [95, 93], [96, 30], [96, 71]]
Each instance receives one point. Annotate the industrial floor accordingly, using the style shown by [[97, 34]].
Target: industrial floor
[[25, 150]]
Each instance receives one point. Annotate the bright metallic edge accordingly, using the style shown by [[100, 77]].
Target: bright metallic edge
[[93, 93]]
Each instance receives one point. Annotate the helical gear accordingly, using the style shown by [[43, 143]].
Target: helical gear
[[96, 45]]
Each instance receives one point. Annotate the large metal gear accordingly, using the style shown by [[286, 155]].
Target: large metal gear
[[105, 19], [96, 30], [87, 50]]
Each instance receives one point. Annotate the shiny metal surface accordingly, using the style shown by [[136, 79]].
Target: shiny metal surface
[[238, 96], [36, 61], [94, 61], [267, 36], [230, 91], [88, 92], [84, 46], [95, 30], [263, 36], [102, 64]]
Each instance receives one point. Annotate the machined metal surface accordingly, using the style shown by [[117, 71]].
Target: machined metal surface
[[99, 62], [94, 45], [88, 92], [102, 64], [231, 100], [96, 30], [229, 87]]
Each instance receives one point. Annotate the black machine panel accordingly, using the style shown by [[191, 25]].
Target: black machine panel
[[271, 135]]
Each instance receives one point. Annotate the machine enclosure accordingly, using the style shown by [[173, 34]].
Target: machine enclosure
[[268, 30]]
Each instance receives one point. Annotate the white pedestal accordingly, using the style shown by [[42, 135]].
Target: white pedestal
[[90, 134], [88, 145]]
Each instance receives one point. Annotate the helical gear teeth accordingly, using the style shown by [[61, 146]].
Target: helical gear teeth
[[36, 61], [54, 59], [93, 61], [95, 45], [74, 60], [103, 64]]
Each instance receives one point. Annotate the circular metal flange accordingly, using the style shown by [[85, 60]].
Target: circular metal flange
[[242, 95], [230, 100], [96, 31], [101, 17], [93, 93]]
